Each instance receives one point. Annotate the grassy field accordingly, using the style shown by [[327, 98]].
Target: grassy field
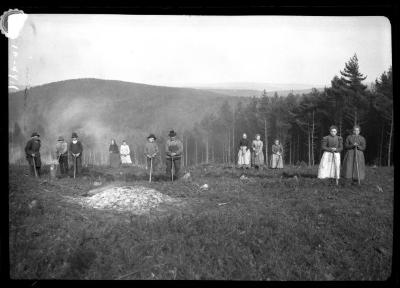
[[268, 226]]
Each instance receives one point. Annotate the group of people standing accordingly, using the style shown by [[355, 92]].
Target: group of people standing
[[354, 162], [118, 155], [73, 150], [252, 154], [173, 153]]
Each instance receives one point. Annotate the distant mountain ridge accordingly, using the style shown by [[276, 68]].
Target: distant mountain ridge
[[256, 86]]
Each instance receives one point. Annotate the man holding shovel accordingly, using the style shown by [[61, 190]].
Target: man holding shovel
[[75, 150], [32, 151], [151, 151], [173, 151], [62, 155]]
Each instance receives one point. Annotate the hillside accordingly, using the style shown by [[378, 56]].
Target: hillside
[[99, 110]]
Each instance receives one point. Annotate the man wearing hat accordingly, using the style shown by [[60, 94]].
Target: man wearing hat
[[150, 151], [75, 150], [32, 151], [173, 150], [62, 155]]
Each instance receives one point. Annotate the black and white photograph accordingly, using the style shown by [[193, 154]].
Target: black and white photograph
[[200, 147]]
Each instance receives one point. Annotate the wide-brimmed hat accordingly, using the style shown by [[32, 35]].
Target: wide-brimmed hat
[[172, 133], [152, 136], [35, 134], [74, 135], [61, 138]]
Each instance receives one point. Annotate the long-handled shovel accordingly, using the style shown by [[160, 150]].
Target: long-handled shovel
[[334, 161], [58, 166], [172, 168], [151, 168], [74, 166], [358, 172], [34, 166]]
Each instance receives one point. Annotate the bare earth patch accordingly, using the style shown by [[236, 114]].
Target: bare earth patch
[[134, 199]]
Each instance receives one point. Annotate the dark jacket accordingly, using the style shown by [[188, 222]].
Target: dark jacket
[[351, 139], [113, 148], [277, 148], [32, 147], [151, 148], [76, 148], [244, 142], [329, 142], [354, 162], [173, 146]]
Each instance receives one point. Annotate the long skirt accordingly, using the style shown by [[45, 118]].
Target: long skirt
[[115, 160], [350, 165], [259, 159], [244, 158], [329, 167], [276, 161], [126, 159]]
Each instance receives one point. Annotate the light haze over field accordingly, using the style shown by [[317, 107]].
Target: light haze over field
[[197, 50]]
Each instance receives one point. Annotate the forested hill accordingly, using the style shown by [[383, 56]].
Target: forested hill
[[99, 110]]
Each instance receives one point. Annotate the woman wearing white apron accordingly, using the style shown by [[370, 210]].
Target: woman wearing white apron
[[244, 154], [125, 154], [332, 145]]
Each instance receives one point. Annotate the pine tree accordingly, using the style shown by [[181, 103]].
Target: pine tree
[[354, 90]]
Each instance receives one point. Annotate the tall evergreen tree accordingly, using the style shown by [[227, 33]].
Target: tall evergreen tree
[[355, 91]]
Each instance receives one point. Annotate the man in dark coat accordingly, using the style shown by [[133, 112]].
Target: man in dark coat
[[75, 150], [173, 150], [32, 151]]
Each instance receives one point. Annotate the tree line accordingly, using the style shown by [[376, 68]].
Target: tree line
[[300, 121]]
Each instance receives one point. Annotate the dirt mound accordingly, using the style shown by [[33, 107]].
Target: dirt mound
[[134, 199]]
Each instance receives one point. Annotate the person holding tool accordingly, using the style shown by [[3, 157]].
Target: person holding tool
[[62, 155], [151, 151], [244, 154], [276, 158], [173, 151], [332, 145], [257, 146], [32, 151], [354, 162], [75, 150]]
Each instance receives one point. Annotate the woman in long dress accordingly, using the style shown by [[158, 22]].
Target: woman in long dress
[[354, 167], [244, 154], [276, 158], [125, 153], [257, 146], [332, 145], [115, 160]]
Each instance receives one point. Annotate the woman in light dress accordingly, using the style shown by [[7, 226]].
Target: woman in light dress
[[125, 153], [244, 154], [332, 145], [257, 146], [276, 158]]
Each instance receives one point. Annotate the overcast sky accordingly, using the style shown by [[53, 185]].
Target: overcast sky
[[195, 50]]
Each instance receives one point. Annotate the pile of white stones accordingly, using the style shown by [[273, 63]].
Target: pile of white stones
[[135, 199]]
